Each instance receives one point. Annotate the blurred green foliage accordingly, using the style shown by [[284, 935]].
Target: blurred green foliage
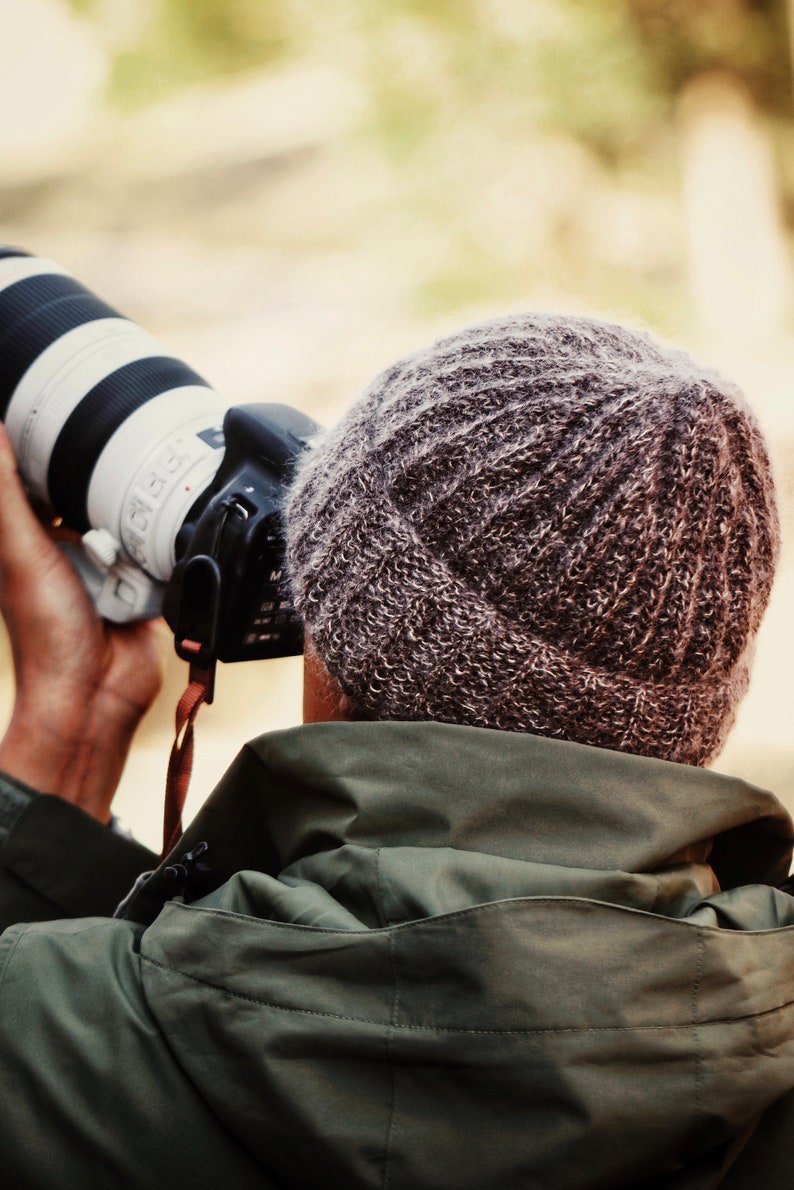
[[187, 41], [468, 105], [604, 70], [563, 65]]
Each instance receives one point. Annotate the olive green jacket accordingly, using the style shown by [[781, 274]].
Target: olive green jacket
[[425, 957]]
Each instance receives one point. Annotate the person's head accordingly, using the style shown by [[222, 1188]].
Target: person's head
[[545, 524]]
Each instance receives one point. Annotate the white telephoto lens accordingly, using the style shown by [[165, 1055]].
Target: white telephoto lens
[[110, 429]]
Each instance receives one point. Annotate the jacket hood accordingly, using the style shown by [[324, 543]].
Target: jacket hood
[[466, 957]]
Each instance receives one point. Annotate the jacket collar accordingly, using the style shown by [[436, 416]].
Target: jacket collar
[[512, 794], [293, 793]]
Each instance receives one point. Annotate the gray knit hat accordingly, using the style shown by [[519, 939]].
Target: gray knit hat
[[544, 524]]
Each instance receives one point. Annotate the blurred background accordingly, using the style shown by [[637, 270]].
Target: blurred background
[[290, 194]]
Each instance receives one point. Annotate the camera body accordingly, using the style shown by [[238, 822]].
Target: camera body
[[228, 597], [177, 496]]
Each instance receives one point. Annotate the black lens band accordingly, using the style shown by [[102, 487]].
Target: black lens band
[[91, 424], [37, 311], [5, 252]]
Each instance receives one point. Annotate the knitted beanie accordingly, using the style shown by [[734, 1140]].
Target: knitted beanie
[[545, 524]]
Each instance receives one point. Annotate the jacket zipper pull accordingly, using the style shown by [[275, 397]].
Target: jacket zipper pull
[[189, 877]]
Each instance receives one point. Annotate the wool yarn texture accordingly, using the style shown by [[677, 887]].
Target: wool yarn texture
[[541, 523]]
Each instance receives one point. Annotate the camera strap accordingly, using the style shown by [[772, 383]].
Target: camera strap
[[180, 764]]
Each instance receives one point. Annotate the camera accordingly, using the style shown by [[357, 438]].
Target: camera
[[176, 495]]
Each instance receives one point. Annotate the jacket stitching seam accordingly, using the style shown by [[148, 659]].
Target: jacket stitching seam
[[408, 1027], [696, 1034], [384, 917], [11, 952], [439, 919], [394, 1024]]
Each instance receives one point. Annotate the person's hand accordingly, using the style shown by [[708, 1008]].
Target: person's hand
[[82, 685]]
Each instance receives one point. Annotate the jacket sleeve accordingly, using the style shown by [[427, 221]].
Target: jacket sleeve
[[56, 861], [92, 1093]]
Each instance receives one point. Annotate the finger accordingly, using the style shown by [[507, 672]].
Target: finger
[[22, 538]]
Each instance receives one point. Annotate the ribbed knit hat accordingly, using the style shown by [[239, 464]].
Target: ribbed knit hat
[[544, 524]]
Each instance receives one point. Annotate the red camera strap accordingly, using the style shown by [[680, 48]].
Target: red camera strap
[[180, 764]]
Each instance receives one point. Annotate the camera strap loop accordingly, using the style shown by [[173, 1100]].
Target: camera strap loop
[[180, 763]]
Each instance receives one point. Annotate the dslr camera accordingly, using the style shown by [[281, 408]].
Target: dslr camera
[[177, 496]]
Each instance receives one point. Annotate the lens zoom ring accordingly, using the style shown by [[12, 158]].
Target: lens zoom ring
[[92, 423], [37, 311]]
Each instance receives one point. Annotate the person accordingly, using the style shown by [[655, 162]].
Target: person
[[486, 919]]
